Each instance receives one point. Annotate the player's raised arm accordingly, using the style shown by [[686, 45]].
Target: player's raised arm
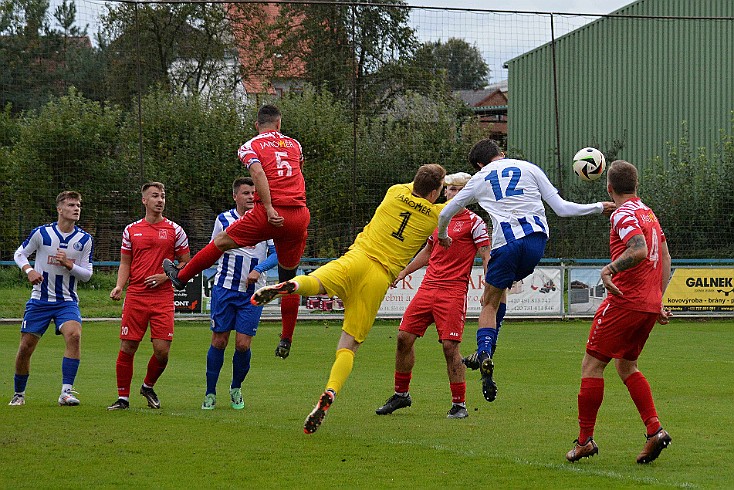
[[559, 205]]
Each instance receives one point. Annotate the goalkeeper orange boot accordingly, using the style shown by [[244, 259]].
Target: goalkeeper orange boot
[[267, 294], [314, 419]]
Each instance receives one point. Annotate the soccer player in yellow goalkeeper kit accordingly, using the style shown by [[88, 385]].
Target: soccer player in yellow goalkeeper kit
[[400, 226]]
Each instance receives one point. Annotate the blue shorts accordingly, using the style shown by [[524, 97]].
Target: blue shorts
[[232, 310], [515, 260], [38, 315]]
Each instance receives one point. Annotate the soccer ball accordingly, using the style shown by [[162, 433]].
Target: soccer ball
[[589, 163]]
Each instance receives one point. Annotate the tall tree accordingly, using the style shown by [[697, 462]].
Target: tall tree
[[459, 62], [341, 48], [38, 60], [184, 48], [24, 77]]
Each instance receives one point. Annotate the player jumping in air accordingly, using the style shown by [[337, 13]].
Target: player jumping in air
[[275, 163]]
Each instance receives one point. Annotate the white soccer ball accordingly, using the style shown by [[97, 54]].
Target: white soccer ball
[[589, 164]]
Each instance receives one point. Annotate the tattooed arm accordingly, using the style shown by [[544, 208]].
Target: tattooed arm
[[634, 254]]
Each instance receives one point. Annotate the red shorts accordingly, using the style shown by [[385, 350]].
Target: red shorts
[[619, 333], [137, 312], [446, 309], [290, 239]]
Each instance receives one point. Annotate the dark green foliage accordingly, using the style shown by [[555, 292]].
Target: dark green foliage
[[71, 143], [179, 47], [458, 62], [352, 51], [192, 148], [39, 61], [691, 193]]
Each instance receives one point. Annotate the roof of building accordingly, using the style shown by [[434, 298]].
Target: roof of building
[[475, 98]]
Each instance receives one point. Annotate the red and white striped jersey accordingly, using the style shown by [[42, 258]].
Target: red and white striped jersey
[[641, 285]]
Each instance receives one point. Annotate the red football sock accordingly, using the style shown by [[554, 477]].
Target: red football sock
[[458, 392], [590, 397], [402, 382], [289, 313], [155, 369], [200, 261], [641, 394], [124, 370]]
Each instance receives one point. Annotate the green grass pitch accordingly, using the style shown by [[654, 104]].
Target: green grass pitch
[[519, 441]]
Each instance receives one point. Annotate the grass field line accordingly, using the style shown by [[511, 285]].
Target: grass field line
[[585, 469], [609, 474]]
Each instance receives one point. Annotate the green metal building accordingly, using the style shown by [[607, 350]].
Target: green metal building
[[640, 76]]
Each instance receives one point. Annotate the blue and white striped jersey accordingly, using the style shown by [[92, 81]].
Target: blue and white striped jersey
[[236, 264], [512, 192], [59, 283]]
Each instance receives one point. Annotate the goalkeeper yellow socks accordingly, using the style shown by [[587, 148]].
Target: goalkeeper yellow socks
[[340, 370], [307, 285]]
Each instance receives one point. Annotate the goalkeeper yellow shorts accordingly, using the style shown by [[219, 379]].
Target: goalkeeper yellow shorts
[[361, 283]]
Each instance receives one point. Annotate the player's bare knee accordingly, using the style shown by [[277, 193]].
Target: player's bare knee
[[451, 349], [242, 343], [72, 333], [220, 340], [224, 242], [405, 342]]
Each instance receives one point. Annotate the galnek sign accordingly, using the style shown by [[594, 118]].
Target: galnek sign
[[700, 290]]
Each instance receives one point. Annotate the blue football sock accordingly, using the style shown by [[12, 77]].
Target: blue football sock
[[214, 363], [240, 367], [486, 339], [20, 380], [69, 367], [500, 316]]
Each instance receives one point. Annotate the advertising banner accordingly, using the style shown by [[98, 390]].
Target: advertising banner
[[585, 290], [699, 290], [189, 300], [540, 294]]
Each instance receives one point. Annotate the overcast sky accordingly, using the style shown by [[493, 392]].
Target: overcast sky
[[502, 36]]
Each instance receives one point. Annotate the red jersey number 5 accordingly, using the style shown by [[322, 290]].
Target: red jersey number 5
[[284, 168]]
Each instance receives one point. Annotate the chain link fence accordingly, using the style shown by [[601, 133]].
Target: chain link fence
[[103, 97]]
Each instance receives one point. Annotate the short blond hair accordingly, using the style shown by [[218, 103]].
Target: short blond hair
[[458, 179]]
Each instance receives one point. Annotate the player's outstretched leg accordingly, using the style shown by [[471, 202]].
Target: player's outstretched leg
[[172, 272], [314, 419], [585, 450], [654, 445], [267, 294]]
